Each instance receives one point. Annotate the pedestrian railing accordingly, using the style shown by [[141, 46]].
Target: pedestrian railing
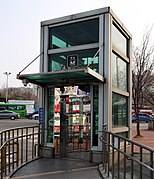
[[123, 158], [18, 147]]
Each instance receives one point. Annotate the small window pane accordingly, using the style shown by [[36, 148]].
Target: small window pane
[[58, 43], [20, 107], [12, 107], [119, 73], [119, 110], [119, 40], [58, 62]]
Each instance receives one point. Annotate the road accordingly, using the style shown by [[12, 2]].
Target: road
[[7, 123]]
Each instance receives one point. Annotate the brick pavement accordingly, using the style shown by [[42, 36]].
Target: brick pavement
[[147, 139]]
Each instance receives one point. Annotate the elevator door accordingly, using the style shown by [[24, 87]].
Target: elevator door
[[79, 123], [75, 122]]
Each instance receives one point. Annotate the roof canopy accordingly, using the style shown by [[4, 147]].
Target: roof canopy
[[63, 78]]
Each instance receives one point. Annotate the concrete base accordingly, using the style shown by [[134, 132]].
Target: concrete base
[[96, 156], [89, 156], [83, 155], [46, 152]]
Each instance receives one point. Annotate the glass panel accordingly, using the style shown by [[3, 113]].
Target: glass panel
[[119, 73], [95, 115], [58, 62], [12, 107], [3, 107], [50, 120], [119, 40], [20, 107], [56, 42], [79, 33], [119, 110]]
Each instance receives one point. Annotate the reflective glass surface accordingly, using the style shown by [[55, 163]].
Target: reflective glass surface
[[50, 120], [119, 110], [84, 32], [95, 115], [58, 61], [119, 73], [119, 40]]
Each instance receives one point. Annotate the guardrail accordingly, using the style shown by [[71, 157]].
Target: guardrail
[[123, 158], [18, 147]]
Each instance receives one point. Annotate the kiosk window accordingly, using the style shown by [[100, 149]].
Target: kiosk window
[[119, 73], [119, 110], [79, 33], [58, 62], [119, 40]]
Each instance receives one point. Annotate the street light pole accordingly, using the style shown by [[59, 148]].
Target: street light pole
[[7, 75]]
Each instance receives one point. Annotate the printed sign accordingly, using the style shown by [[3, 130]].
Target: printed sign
[[41, 115], [72, 61]]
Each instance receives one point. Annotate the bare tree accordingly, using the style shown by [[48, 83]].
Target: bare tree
[[142, 74], [148, 94], [18, 93]]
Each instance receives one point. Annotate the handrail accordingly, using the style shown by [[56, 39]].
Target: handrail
[[18, 147], [16, 138], [122, 157], [3, 133], [130, 141], [129, 157], [15, 128]]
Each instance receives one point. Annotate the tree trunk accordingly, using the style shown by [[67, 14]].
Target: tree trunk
[[138, 125]]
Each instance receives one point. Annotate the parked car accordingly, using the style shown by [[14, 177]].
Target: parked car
[[29, 116], [153, 116], [142, 117], [35, 116], [5, 114]]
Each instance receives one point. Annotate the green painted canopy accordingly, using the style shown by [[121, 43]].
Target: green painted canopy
[[63, 78]]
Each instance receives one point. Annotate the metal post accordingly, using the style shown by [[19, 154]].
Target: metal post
[[7, 75], [63, 128]]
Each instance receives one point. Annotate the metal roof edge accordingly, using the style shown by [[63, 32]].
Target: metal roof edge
[[115, 17], [76, 16], [85, 14]]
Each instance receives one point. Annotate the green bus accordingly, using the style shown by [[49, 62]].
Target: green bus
[[18, 108]]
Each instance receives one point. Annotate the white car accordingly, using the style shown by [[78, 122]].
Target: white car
[[35, 116]]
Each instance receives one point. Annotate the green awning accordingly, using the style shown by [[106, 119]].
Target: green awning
[[63, 78]]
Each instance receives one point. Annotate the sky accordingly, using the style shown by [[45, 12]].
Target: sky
[[20, 28]]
